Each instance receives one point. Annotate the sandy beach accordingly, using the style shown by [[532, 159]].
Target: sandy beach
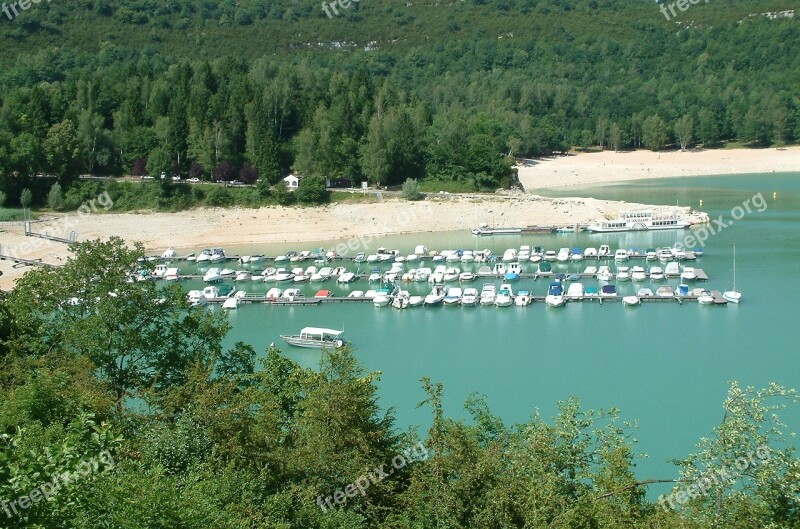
[[196, 229], [609, 166]]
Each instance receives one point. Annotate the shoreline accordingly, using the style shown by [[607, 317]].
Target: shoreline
[[609, 167], [207, 227]]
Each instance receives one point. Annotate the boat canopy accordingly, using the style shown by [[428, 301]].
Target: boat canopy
[[320, 331]]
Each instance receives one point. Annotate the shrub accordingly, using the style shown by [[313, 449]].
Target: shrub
[[218, 197], [411, 190], [3, 198], [55, 198], [26, 198], [311, 190]]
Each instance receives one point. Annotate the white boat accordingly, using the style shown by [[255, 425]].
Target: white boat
[[210, 292], [604, 251], [688, 274], [301, 278], [499, 269], [243, 275], [555, 295], [510, 255], [631, 300], [356, 294], [705, 298], [644, 293], [672, 269], [410, 258], [160, 271], [416, 301], [421, 250], [212, 275], [256, 259], [470, 297], [422, 274], [638, 274], [452, 256], [466, 276], [639, 221], [656, 273], [621, 255], [524, 255], [203, 256], [590, 270], [401, 300], [575, 291], [505, 296], [651, 255], [624, 273], [316, 338], [375, 277], [282, 276], [231, 303], [292, 294], [172, 274], [563, 255], [604, 273], [389, 277], [196, 298], [346, 277], [590, 253], [488, 294], [453, 296], [436, 296], [169, 253], [665, 291], [468, 256], [217, 255], [274, 293], [451, 274], [664, 254], [734, 296], [370, 294], [550, 255], [227, 272], [408, 277], [523, 298], [576, 255]]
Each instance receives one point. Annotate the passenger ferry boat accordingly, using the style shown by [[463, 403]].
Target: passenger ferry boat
[[316, 338], [640, 221]]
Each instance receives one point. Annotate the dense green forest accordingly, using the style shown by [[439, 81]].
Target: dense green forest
[[122, 409], [383, 91]]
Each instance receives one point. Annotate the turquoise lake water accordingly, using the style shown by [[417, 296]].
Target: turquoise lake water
[[664, 364]]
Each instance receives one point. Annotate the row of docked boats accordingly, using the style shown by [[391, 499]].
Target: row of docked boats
[[383, 255]]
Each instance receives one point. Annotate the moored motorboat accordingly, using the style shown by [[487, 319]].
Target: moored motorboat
[[688, 274], [401, 300], [416, 301], [575, 291], [682, 290], [212, 275], [488, 294], [604, 273], [638, 274], [665, 291], [631, 301], [346, 277], [523, 298], [505, 296], [608, 291], [563, 255], [466, 276], [470, 297], [656, 273], [555, 295], [436, 296], [623, 273], [453, 296]]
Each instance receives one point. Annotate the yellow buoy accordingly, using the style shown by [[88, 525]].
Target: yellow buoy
[[774, 194], [701, 201]]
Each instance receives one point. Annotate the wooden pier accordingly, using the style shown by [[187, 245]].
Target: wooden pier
[[18, 261]]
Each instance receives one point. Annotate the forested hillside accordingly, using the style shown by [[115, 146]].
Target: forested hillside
[[383, 91]]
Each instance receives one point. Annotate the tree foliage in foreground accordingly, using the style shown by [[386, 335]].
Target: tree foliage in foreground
[[211, 441]]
